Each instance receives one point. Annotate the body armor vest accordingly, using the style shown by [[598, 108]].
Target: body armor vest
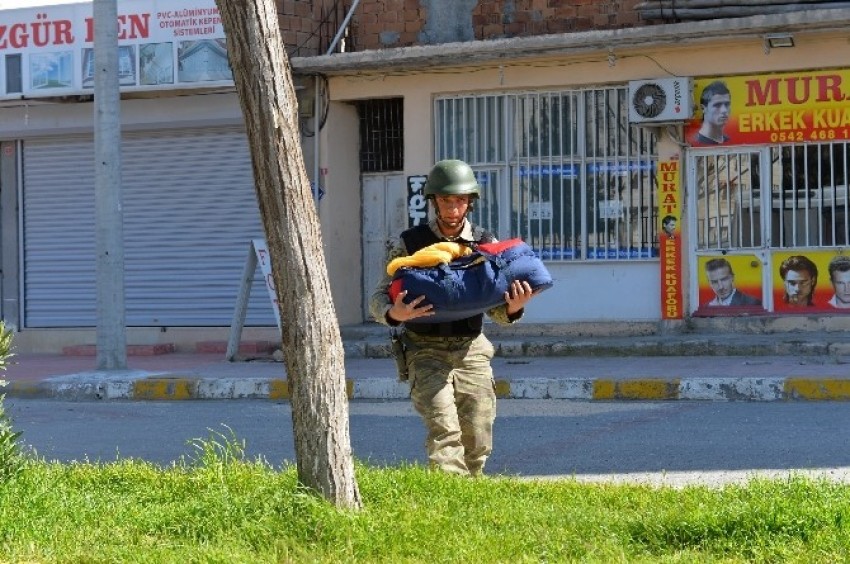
[[421, 236]]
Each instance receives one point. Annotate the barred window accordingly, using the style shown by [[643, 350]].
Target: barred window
[[777, 197], [381, 134], [564, 170]]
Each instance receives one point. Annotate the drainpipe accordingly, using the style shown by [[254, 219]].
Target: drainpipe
[[317, 118], [317, 113]]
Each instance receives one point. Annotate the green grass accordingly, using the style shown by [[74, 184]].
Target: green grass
[[218, 507]]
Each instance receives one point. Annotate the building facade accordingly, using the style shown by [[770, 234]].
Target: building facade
[[589, 142], [190, 214], [581, 119]]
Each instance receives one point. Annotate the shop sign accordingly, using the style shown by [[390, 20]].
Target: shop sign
[[669, 238], [770, 109], [163, 44]]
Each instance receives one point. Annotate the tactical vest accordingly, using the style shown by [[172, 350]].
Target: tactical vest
[[421, 236]]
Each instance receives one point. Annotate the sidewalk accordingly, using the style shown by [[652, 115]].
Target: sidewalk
[[185, 376]]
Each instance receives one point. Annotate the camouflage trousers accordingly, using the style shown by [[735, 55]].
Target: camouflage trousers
[[452, 388]]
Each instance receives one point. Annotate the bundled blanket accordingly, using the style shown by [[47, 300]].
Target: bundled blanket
[[439, 253], [460, 282]]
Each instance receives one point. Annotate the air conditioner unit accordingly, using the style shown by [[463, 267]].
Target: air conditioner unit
[[660, 100]]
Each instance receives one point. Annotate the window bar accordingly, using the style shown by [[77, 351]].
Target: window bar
[[715, 200], [524, 178], [736, 205], [793, 193], [484, 141], [600, 179], [822, 201], [382, 133], [755, 226], [554, 176], [846, 234], [804, 192], [631, 163], [441, 122], [701, 171]]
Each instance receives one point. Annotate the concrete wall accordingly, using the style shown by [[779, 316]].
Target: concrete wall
[[340, 210]]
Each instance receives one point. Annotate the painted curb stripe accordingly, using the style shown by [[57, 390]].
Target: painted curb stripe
[[165, 389], [503, 389], [817, 389], [278, 389], [651, 389], [640, 389]]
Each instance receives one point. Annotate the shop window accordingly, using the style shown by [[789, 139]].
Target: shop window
[[14, 78], [471, 129], [381, 134], [809, 185], [799, 200], [729, 203], [567, 172]]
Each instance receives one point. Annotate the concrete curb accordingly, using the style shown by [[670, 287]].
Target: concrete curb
[[166, 387]]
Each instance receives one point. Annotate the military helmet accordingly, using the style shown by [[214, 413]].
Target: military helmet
[[451, 178]]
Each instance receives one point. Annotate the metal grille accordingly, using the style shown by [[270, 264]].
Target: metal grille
[[381, 134], [620, 179], [810, 187], [471, 129], [778, 197], [572, 177], [184, 253], [728, 201]]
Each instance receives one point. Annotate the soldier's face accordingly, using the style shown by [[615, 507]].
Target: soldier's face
[[452, 209]]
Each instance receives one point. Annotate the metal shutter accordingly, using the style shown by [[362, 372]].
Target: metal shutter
[[190, 213]]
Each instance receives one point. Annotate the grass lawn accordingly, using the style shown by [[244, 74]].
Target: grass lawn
[[218, 507]]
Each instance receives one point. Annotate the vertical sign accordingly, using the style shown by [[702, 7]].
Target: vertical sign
[[669, 237], [417, 206]]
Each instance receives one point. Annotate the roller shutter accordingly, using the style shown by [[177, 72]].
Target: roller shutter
[[190, 213]]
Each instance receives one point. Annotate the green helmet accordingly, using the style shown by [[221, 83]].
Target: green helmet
[[451, 178]]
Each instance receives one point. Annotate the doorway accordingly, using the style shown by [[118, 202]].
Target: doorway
[[384, 216]]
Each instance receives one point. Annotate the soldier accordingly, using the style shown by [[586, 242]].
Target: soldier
[[448, 364]]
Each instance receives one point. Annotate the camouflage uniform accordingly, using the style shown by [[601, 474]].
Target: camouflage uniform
[[451, 381]]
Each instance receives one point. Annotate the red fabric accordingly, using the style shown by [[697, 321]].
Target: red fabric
[[395, 289], [499, 246]]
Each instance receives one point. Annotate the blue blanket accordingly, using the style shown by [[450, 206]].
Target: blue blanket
[[472, 284]]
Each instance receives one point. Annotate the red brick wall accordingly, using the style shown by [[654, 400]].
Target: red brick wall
[[308, 26], [379, 24]]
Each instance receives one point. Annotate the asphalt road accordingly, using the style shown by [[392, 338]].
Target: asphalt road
[[674, 443]]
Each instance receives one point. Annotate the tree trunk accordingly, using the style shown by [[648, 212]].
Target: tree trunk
[[312, 346]]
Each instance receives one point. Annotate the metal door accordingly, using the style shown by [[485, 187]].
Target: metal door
[[727, 218], [384, 218]]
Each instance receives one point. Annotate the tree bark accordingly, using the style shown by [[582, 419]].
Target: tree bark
[[312, 346]]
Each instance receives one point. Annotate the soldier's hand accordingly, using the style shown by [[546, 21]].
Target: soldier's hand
[[518, 295], [402, 312]]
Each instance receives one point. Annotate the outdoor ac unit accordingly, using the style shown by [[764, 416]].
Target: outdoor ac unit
[[660, 100]]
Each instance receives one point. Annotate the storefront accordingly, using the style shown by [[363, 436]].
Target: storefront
[[770, 195], [189, 206], [627, 212]]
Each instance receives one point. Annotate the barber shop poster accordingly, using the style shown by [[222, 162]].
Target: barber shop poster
[[729, 285], [795, 107], [806, 281], [670, 237]]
